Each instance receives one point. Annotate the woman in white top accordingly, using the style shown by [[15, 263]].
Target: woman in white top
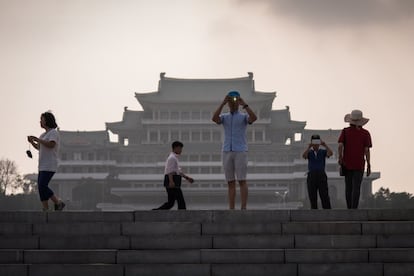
[[48, 145]]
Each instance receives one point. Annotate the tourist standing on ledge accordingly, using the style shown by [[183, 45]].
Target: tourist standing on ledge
[[235, 144], [354, 149], [47, 145], [172, 179], [317, 179]]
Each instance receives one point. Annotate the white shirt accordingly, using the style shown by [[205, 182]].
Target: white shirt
[[171, 165], [48, 157]]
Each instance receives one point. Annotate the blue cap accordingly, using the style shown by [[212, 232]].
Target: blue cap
[[233, 94]]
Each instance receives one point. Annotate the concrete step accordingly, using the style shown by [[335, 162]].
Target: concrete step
[[206, 256], [212, 242], [336, 269]]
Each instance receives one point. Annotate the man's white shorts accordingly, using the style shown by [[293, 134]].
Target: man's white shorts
[[235, 165]]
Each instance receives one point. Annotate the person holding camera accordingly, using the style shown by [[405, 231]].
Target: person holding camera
[[235, 144], [317, 179], [48, 145]]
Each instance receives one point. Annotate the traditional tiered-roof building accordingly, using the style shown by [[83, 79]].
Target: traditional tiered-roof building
[[127, 174]]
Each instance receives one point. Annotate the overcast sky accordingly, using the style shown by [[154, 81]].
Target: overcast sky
[[85, 59]]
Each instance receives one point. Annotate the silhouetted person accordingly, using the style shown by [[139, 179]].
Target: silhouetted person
[[317, 179], [354, 149], [172, 169], [48, 145], [235, 144]]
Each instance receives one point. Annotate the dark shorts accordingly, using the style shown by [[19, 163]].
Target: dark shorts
[[43, 180]]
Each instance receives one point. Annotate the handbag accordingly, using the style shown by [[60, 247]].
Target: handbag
[[176, 178], [342, 170]]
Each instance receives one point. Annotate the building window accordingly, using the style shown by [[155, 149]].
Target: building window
[[205, 170], [164, 115], [216, 136], [194, 157], [175, 135], [153, 136], [91, 156], [258, 136], [206, 115], [164, 136], [206, 136], [77, 156], [185, 136], [174, 115], [216, 170], [195, 115], [298, 137], [185, 115], [216, 157], [195, 136], [126, 142], [205, 157], [250, 136]]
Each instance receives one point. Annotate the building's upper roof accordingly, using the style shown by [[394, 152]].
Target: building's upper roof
[[184, 91], [84, 138]]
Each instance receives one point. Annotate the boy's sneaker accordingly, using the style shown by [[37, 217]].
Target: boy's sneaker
[[60, 206]]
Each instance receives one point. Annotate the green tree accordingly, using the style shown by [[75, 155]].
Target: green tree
[[384, 198]]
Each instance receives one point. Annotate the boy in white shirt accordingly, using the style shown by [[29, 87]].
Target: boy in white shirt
[[172, 179]]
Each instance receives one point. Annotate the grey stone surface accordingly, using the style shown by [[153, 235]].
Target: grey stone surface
[[396, 227], [161, 228], [14, 270], [395, 241], [22, 216], [171, 242], [391, 255], [19, 242], [174, 216], [179, 256], [253, 241], [78, 228], [9, 256], [76, 270], [90, 216], [242, 256], [70, 256], [167, 269], [322, 228], [334, 241], [250, 216], [306, 256], [219, 242], [340, 269], [328, 215], [82, 242], [254, 269], [391, 214], [398, 269], [240, 228], [10, 228]]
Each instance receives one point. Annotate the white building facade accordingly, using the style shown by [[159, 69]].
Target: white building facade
[[128, 174]]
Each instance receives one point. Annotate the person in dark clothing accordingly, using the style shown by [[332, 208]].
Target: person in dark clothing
[[317, 179], [354, 145], [173, 171]]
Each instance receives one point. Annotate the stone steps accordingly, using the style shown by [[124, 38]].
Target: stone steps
[[253, 242]]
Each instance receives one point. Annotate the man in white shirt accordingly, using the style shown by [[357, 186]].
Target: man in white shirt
[[172, 179]]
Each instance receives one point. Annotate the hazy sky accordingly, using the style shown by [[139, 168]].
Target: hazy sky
[[84, 59]]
